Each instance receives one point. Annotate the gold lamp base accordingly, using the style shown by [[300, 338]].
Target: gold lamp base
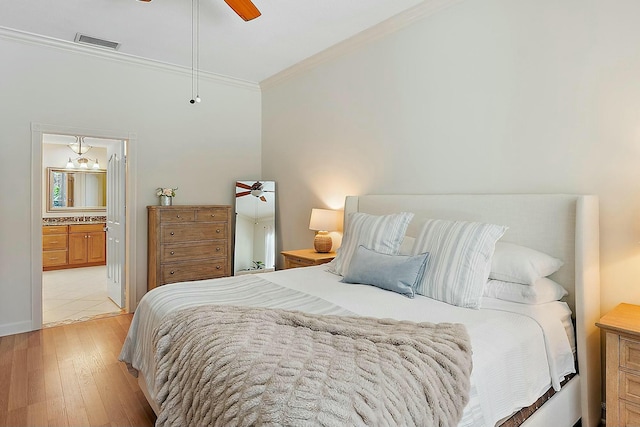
[[322, 242]]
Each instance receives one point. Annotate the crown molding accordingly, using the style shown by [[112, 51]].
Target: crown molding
[[389, 26], [50, 42]]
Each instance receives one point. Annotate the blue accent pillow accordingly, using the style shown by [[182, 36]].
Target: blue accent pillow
[[397, 273]]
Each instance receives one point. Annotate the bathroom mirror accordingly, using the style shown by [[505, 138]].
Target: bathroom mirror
[[255, 243], [76, 190]]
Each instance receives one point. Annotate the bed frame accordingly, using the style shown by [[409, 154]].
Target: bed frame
[[562, 225]]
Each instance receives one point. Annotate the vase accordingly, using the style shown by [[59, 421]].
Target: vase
[[166, 200]]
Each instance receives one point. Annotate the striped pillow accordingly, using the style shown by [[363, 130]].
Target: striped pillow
[[382, 234], [460, 259]]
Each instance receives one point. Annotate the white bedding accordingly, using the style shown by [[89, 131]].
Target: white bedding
[[514, 360]]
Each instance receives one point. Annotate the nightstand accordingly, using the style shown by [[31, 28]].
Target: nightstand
[[622, 328], [305, 258]]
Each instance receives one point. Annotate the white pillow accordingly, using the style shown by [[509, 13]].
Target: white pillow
[[459, 260], [542, 291], [380, 233], [406, 246], [519, 264]]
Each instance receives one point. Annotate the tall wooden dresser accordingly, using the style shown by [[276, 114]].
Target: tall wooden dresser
[[188, 243]]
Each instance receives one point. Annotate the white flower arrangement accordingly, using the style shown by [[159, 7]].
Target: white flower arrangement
[[169, 192]]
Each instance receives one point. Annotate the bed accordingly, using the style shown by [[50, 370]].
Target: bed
[[563, 226]]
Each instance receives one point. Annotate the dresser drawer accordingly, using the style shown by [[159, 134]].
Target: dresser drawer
[[629, 386], [629, 414], [54, 229], [195, 231], [187, 271], [630, 354], [293, 262], [177, 215], [54, 241], [211, 214], [54, 258], [195, 250]]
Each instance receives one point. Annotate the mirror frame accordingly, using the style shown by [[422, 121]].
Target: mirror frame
[[53, 209]]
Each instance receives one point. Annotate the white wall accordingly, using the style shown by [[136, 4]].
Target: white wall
[[244, 241], [259, 239], [201, 149], [486, 96]]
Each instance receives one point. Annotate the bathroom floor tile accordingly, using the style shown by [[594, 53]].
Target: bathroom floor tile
[[75, 294]]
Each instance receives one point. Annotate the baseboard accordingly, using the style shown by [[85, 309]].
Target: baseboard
[[15, 328]]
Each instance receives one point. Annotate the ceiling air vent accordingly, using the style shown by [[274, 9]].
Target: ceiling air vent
[[93, 41]]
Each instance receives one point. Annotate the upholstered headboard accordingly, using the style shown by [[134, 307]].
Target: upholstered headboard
[[562, 225]]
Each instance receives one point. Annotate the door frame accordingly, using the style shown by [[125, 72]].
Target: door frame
[[37, 130]]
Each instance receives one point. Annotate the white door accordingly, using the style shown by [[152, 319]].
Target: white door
[[116, 222]]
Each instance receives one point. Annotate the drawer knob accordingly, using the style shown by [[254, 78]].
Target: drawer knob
[[172, 252], [217, 249], [177, 216], [213, 215], [218, 230], [171, 272], [171, 233], [218, 267]]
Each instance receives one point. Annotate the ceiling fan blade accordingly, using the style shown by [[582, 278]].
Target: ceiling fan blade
[[243, 185], [264, 199], [244, 193], [244, 8]]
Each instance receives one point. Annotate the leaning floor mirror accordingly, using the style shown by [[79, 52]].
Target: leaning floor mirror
[[255, 245]]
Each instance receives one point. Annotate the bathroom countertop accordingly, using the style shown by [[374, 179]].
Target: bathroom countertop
[[46, 224], [72, 223]]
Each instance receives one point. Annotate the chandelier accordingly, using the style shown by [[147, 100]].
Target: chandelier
[[79, 148]]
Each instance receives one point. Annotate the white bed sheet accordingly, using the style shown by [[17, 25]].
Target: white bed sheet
[[519, 351]]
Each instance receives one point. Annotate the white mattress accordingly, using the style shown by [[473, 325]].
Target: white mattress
[[519, 351]]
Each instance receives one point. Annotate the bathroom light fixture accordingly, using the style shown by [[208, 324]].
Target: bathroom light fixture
[[323, 221], [79, 148]]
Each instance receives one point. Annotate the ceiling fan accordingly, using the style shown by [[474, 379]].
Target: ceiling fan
[[256, 190], [244, 8]]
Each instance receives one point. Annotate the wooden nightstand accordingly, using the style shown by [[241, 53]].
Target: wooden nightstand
[[622, 327], [305, 258]]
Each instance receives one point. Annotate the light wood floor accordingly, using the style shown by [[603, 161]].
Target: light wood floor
[[70, 376]]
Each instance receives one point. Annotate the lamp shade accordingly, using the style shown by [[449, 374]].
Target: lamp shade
[[323, 220]]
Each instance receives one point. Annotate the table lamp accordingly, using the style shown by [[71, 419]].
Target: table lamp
[[323, 221]]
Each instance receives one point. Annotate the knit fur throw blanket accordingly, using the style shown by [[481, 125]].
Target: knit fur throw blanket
[[240, 366]]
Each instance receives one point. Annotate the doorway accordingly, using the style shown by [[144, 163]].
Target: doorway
[[118, 146], [75, 275]]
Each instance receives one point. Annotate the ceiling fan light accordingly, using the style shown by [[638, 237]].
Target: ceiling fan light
[[257, 193]]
